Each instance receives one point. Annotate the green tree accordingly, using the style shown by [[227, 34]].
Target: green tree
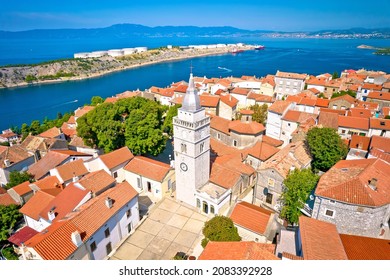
[[335, 75], [95, 100], [220, 228], [260, 113], [25, 130], [387, 117], [298, 185], [16, 178], [326, 147], [167, 125], [35, 127], [344, 92], [9, 216]]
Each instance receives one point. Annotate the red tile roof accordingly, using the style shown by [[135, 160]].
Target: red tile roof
[[65, 202], [148, 168], [262, 150], [167, 92], [23, 188], [224, 177], [14, 154], [71, 169], [338, 112], [348, 181], [48, 182], [181, 88], [6, 199], [251, 128], [359, 112], [359, 142], [279, 106], [72, 153], [328, 119], [51, 160], [297, 116], [365, 248], [97, 181], [37, 202], [22, 235], [382, 124], [209, 100], [220, 124], [82, 111], [117, 157], [288, 75], [379, 95], [272, 141], [248, 250], [320, 240], [240, 91], [381, 143], [51, 133], [372, 87], [345, 97], [220, 149], [251, 217], [353, 122], [260, 97], [229, 100]]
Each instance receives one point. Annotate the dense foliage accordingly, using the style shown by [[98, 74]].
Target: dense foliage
[[260, 113], [135, 122], [16, 178], [298, 185], [344, 92], [95, 100], [326, 147], [220, 228], [9, 217], [167, 125]]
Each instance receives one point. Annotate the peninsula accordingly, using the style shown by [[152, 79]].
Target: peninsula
[[90, 67]]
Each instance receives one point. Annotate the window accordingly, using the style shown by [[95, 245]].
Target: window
[[329, 213], [205, 207], [198, 203], [107, 232], [183, 148], [93, 246], [343, 131], [271, 182], [139, 183], [108, 248], [218, 136], [115, 174], [129, 228], [212, 210], [201, 147], [332, 201], [269, 198], [128, 213], [235, 143]]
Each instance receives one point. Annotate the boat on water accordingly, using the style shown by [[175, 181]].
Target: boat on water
[[259, 47], [236, 51]]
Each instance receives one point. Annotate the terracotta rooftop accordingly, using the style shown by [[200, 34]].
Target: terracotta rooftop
[[386, 111], [229, 100], [294, 155], [279, 106], [359, 142], [22, 235], [381, 143], [272, 141], [6, 199], [260, 97], [223, 176], [96, 181], [51, 133], [220, 149], [78, 142], [68, 131], [148, 168], [36, 204], [23, 188], [367, 105], [65, 202], [365, 248], [382, 124], [72, 153], [359, 112], [251, 217], [117, 157], [112, 99], [353, 122], [372, 87], [48, 182], [288, 75], [72, 169], [350, 181], [181, 88], [320, 240], [14, 154], [380, 95], [338, 112], [297, 116], [82, 111], [167, 92], [240, 91], [251, 128], [345, 97], [220, 124], [42, 167], [209, 100], [262, 150], [245, 250]]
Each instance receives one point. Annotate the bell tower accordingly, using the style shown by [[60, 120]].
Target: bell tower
[[191, 131]]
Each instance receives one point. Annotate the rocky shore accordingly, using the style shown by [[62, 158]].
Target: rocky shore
[[84, 68]]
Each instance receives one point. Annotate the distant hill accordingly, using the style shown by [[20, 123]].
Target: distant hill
[[135, 30]]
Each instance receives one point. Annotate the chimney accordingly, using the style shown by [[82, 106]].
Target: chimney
[[51, 214], [75, 178], [7, 163], [76, 238], [372, 184], [108, 202]]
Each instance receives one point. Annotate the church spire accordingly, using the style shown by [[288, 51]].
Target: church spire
[[191, 100]]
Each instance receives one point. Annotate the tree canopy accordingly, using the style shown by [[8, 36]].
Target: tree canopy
[[16, 178], [326, 147], [95, 100], [260, 113], [344, 92], [167, 125], [9, 216], [220, 228], [135, 122], [298, 185]]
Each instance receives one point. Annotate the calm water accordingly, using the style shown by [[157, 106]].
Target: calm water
[[312, 56]]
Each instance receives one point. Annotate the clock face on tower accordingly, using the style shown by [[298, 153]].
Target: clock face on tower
[[183, 166]]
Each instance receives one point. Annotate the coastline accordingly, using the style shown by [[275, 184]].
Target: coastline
[[169, 56]]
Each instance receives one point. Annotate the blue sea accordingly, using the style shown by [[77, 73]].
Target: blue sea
[[311, 56]]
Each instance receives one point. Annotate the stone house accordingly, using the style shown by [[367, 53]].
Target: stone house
[[342, 102], [348, 126], [354, 195], [274, 117], [379, 127], [275, 170], [288, 84], [267, 86], [380, 97], [227, 107]]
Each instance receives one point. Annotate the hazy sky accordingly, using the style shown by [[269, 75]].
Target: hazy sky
[[277, 15]]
